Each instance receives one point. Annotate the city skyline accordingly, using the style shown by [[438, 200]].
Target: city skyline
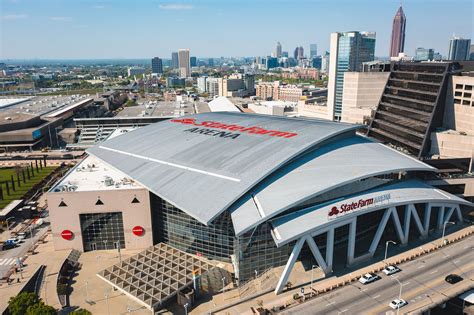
[[174, 23]]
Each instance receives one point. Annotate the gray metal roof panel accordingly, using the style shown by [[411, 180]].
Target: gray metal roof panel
[[203, 174], [296, 224], [331, 166]]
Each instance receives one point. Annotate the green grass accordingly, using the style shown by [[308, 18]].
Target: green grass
[[5, 175]]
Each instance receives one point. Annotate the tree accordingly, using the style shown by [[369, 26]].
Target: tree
[[17, 305], [80, 311], [41, 309]]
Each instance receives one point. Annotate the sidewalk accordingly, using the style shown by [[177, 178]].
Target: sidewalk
[[45, 255], [327, 284], [94, 294]]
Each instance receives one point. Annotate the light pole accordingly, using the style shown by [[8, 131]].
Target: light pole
[[87, 292], [386, 249], [8, 225], [186, 308], [400, 293], [312, 277], [31, 236], [256, 273], [223, 287], [444, 230], [120, 254], [106, 294]]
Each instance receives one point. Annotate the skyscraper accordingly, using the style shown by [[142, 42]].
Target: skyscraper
[[193, 61], [174, 60], [313, 50], [156, 65], [278, 50], [397, 44], [348, 51], [184, 63], [459, 48], [298, 53], [325, 62]]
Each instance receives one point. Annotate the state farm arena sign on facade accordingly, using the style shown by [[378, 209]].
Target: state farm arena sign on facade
[[356, 205], [232, 131]]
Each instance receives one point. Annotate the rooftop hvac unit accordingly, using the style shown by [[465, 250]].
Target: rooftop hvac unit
[[108, 181]]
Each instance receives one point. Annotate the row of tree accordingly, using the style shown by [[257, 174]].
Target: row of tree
[[28, 303]]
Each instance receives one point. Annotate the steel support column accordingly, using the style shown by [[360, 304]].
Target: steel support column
[[330, 249], [351, 242], [289, 265], [316, 253]]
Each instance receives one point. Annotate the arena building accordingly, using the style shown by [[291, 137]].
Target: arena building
[[254, 191]]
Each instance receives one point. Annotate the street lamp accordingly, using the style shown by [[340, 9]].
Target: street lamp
[[186, 308], [256, 273], [312, 277], [106, 294], [386, 249], [400, 293], [223, 287], [8, 226], [444, 229]]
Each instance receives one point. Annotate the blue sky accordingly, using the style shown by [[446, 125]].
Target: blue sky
[[70, 29]]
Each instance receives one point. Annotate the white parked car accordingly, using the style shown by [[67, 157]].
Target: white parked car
[[368, 278], [390, 270], [398, 303]]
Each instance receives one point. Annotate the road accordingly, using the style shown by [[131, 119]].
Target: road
[[420, 278], [9, 257]]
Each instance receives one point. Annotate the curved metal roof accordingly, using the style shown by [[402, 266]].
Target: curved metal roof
[[296, 224], [333, 165], [204, 163]]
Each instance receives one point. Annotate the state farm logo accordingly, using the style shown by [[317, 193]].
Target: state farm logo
[[346, 207], [355, 205], [230, 127]]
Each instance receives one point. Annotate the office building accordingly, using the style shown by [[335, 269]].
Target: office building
[[202, 84], [184, 63], [422, 54], [278, 50], [316, 62], [459, 48], [471, 53], [271, 62], [193, 61], [313, 51], [156, 65], [174, 60], [312, 193], [361, 95], [133, 71], [348, 51], [284, 54], [172, 82], [397, 43], [298, 53], [214, 86], [249, 84], [325, 62]]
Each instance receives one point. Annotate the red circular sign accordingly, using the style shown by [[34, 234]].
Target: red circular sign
[[67, 235], [138, 230]]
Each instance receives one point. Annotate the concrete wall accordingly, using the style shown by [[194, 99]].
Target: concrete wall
[[67, 218], [450, 144], [361, 94]]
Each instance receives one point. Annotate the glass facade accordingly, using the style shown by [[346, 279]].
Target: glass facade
[[182, 231], [256, 251], [354, 48], [102, 231]]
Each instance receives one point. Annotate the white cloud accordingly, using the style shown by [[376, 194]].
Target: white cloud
[[61, 18], [15, 16], [176, 6]]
